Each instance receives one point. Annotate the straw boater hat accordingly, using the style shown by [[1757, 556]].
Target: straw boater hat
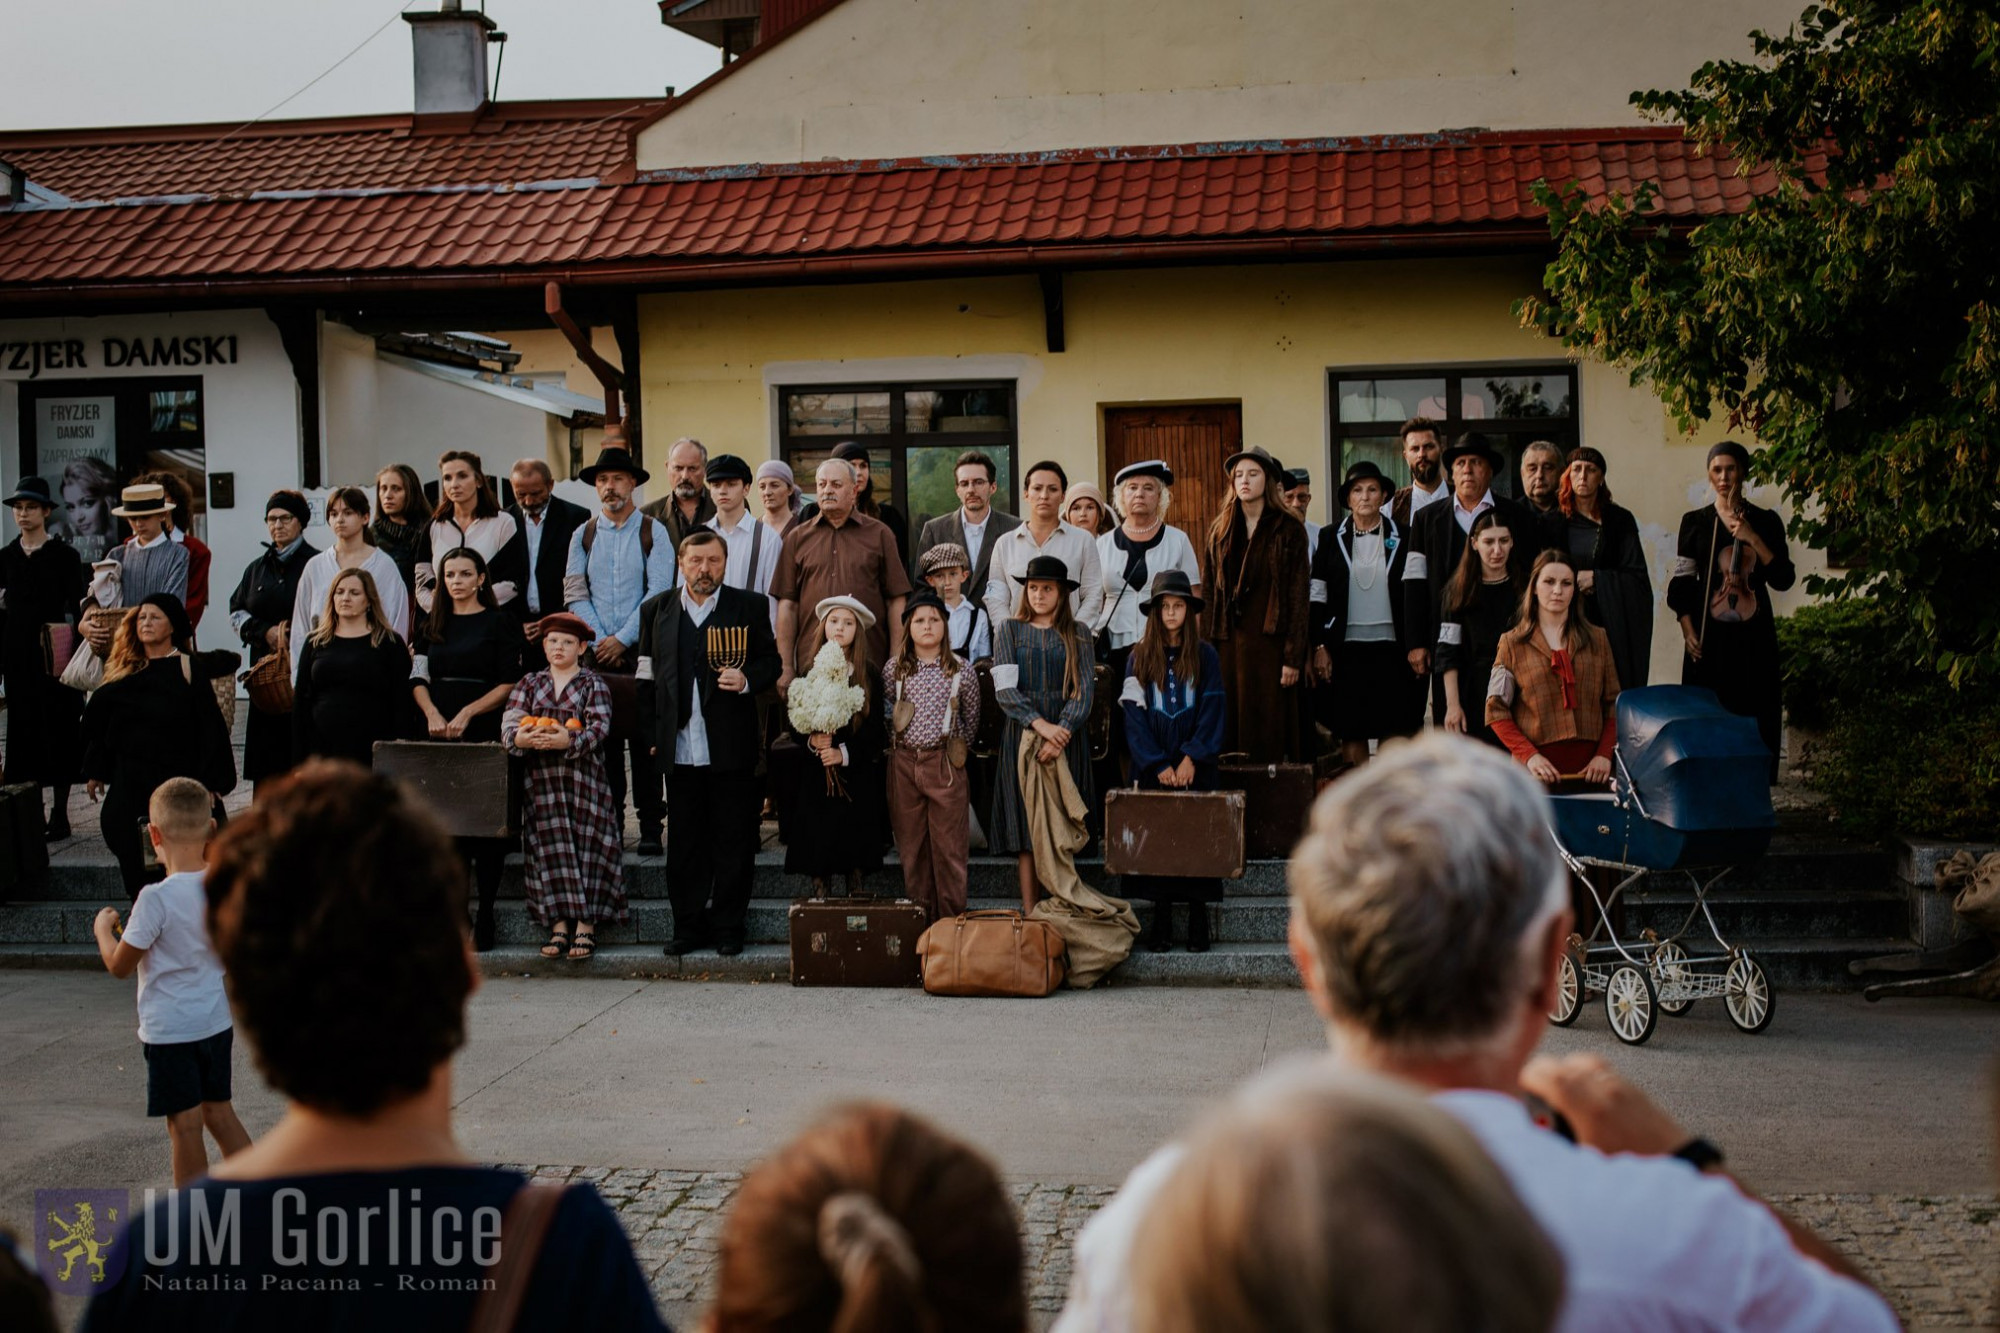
[[562, 622], [144, 500], [861, 613], [945, 555]]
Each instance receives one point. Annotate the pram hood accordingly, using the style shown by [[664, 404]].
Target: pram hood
[[1693, 764]]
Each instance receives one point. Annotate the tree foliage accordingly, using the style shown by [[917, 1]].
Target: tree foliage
[[1848, 316]]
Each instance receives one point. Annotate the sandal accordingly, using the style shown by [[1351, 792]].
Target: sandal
[[583, 946], [558, 944]]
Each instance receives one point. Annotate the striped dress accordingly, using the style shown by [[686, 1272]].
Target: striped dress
[[571, 831], [1028, 683]]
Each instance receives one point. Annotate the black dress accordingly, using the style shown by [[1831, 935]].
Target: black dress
[[1720, 585], [159, 722], [350, 694], [1468, 640], [406, 544], [829, 834], [264, 596], [41, 588], [477, 653], [1621, 603]]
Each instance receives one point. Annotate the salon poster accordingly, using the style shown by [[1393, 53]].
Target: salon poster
[[76, 448]]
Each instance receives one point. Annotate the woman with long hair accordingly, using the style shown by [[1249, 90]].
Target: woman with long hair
[[1358, 620], [41, 580], [1732, 556], [1481, 602], [398, 529], [465, 662], [872, 1221], [1553, 693], [154, 718], [1256, 573], [353, 683], [1042, 679], [347, 515], [1602, 539], [931, 700], [468, 517], [834, 825], [1174, 711]]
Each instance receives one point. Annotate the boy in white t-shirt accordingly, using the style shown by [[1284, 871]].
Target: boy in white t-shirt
[[184, 1024]]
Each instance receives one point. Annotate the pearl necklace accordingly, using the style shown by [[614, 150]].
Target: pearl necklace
[[1374, 563]]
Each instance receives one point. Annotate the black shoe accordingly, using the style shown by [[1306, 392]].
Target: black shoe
[[729, 948], [57, 832], [483, 931], [1162, 938], [649, 842], [680, 945], [1198, 928]]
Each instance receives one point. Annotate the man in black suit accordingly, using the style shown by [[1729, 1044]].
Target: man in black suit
[[1437, 540], [975, 524], [702, 725], [546, 522]]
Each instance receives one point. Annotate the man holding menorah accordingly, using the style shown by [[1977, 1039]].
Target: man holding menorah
[[705, 652]]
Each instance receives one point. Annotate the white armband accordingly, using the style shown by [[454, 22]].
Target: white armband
[[1500, 685], [576, 588], [1006, 676], [1450, 632], [420, 667], [1318, 591], [645, 669], [1684, 568], [1133, 693], [1417, 566]]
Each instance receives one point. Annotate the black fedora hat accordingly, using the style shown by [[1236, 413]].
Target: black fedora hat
[[615, 459], [1365, 470], [1473, 444], [1049, 569], [1171, 583], [32, 488]]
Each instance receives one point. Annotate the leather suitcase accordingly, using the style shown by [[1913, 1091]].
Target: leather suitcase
[[856, 942], [24, 848], [993, 953], [1196, 834], [464, 783], [1278, 800]]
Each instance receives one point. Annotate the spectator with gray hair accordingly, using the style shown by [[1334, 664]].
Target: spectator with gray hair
[[1541, 475], [1430, 913], [838, 552], [688, 505]]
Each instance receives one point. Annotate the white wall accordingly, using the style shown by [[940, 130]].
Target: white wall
[[904, 78], [250, 415]]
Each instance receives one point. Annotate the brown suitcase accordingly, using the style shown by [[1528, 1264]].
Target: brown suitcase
[[993, 953], [463, 783], [1278, 800], [856, 942], [1197, 834]]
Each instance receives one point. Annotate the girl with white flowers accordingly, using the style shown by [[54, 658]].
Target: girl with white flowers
[[836, 820]]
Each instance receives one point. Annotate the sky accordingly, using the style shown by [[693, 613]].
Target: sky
[[140, 62]]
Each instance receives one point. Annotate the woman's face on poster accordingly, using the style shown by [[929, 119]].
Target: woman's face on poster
[[89, 512]]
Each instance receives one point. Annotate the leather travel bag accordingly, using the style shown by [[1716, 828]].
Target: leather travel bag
[[993, 953]]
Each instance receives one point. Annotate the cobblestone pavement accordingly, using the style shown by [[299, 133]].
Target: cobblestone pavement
[[1933, 1257]]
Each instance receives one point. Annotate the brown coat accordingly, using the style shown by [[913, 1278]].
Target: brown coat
[[1537, 706], [1280, 542]]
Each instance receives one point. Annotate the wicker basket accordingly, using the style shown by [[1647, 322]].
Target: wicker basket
[[269, 679]]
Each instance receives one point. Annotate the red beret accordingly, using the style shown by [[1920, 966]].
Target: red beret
[[562, 622]]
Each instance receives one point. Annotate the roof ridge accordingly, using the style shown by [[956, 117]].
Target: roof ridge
[[111, 136]]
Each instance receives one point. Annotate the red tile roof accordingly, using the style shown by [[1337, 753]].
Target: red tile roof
[[1207, 202], [513, 143]]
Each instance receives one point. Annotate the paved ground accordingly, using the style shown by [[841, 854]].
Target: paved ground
[[1872, 1120]]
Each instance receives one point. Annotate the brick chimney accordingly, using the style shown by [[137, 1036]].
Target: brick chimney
[[449, 47]]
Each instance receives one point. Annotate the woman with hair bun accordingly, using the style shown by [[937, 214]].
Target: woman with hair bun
[[871, 1221]]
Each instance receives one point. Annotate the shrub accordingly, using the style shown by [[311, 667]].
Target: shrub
[[1897, 750]]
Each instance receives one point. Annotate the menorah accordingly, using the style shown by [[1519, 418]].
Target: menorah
[[728, 647]]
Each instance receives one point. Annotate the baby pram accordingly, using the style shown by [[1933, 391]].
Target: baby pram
[[1689, 794]]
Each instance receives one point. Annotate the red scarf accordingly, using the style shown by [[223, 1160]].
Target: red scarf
[[1566, 673]]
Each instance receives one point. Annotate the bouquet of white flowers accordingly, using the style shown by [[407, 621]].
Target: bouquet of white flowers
[[824, 700]]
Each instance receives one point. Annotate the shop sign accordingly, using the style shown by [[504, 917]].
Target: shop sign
[[32, 358]]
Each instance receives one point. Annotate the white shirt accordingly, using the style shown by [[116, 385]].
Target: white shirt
[[958, 621], [739, 572], [691, 746], [1012, 551], [1121, 601], [180, 979], [1312, 540], [1421, 499], [532, 526], [1648, 1243], [484, 535], [316, 580], [1466, 517], [975, 535]]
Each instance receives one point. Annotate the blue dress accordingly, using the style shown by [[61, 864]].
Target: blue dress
[[1164, 725]]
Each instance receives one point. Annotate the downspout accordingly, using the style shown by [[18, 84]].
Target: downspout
[[607, 374]]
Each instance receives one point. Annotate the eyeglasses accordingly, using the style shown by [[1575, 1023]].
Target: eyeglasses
[[275, 520]]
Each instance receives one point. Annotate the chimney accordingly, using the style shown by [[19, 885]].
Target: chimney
[[450, 52]]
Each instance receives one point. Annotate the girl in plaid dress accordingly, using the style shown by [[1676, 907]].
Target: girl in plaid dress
[[560, 719]]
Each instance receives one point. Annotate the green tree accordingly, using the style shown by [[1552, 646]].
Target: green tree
[[1847, 316]]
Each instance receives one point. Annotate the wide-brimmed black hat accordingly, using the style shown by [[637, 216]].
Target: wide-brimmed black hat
[[1272, 466], [1365, 470], [1476, 445], [1171, 583], [1049, 569], [615, 459], [728, 467], [32, 488]]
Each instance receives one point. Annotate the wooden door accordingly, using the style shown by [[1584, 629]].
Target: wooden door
[[1193, 441]]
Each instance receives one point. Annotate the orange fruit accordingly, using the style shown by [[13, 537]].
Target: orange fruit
[[574, 724]]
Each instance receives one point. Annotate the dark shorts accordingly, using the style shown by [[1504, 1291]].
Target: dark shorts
[[181, 1075]]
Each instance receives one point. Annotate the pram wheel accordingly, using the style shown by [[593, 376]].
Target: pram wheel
[[1670, 969], [1747, 994], [1569, 991], [1631, 1004]]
